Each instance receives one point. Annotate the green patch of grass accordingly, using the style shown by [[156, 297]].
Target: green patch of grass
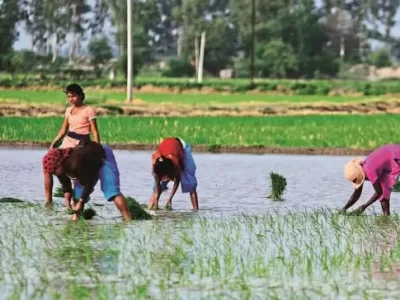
[[349, 131]]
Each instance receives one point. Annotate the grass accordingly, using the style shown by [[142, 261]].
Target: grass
[[295, 255], [100, 98], [354, 131], [278, 186]]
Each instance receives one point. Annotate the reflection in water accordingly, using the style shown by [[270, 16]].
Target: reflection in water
[[228, 183]]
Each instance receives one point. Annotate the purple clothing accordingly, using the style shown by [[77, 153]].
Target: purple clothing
[[383, 166]]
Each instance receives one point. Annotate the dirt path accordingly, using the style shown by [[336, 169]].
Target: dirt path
[[239, 109], [216, 149]]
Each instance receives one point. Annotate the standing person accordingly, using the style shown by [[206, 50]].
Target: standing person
[[79, 123], [86, 164], [382, 169], [173, 161], [79, 120]]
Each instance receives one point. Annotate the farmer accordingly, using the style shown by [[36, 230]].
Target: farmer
[[382, 169], [173, 161], [79, 120], [86, 164]]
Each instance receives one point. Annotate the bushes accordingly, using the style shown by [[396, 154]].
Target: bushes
[[312, 87], [179, 68]]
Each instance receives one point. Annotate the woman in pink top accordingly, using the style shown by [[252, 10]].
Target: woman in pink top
[[79, 121], [382, 169]]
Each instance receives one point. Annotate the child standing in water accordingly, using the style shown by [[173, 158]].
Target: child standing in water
[[79, 121]]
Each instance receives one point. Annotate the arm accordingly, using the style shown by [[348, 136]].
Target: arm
[[353, 198], [375, 196], [95, 130], [156, 194], [61, 133]]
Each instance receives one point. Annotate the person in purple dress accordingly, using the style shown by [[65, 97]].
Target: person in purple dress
[[382, 168]]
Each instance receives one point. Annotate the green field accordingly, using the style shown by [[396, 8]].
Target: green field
[[350, 131], [96, 97]]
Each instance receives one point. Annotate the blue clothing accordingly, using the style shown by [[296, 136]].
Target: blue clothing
[[108, 175], [188, 174]]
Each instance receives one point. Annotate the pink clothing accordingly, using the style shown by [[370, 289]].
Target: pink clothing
[[79, 122], [383, 166]]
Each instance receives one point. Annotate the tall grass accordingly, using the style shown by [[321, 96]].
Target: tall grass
[[356, 131]]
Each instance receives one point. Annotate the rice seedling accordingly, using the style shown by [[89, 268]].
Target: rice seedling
[[396, 187], [58, 192], [10, 200], [278, 186], [289, 255], [89, 213], [294, 131], [136, 210]]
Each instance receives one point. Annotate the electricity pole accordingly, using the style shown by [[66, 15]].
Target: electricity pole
[[253, 22], [129, 88]]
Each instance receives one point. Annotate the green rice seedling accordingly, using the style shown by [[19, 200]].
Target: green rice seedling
[[319, 131], [396, 187], [58, 192], [10, 200], [137, 212], [88, 213], [278, 186]]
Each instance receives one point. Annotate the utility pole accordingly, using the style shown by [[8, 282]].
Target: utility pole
[[253, 22], [129, 88], [201, 58]]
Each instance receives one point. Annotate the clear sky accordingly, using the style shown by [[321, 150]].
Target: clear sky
[[24, 40]]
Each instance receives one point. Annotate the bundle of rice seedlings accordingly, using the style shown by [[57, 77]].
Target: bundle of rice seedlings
[[396, 187], [88, 213], [10, 200], [58, 192], [137, 212], [278, 186]]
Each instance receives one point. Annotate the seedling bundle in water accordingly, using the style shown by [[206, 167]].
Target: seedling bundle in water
[[278, 186], [58, 192], [136, 210], [10, 200], [396, 187]]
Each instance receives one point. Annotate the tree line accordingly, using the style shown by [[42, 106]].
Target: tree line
[[293, 38]]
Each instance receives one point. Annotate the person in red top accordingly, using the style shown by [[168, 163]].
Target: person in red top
[[173, 161]]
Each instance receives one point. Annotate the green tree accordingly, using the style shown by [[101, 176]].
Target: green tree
[[100, 53], [276, 59], [381, 58], [9, 16]]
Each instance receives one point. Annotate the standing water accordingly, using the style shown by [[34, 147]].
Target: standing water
[[239, 245]]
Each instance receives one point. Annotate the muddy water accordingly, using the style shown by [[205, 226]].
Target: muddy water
[[227, 182]]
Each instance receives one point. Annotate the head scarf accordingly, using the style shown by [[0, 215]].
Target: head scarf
[[354, 172], [54, 158]]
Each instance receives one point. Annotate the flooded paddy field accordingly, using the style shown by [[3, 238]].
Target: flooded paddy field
[[240, 245]]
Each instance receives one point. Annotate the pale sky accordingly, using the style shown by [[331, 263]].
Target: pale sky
[[24, 40]]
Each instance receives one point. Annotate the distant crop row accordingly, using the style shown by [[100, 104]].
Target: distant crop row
[[359, 131], [314, 87]]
